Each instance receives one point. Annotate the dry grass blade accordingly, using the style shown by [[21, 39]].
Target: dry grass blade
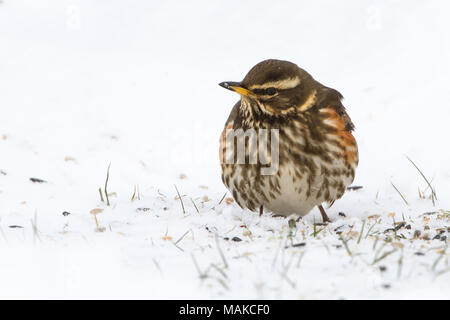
[[370, 229], [3, 234], [300, 259], [400, 194], [219, 270], [157, 265], [362, 230], [106, 185], [202, 275], [436, 262], [442, 272], [181, 200], [223, 283], [182, 237], [178, 247], [285, 276], [221, 253], [346, 246], [222, 198], [194, 205], [35, 229], [276, 254], [400, 266], [136, 193], [433, 192], [101, 194], [384, 255]]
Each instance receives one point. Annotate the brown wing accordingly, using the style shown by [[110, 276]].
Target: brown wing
[[332, 98]]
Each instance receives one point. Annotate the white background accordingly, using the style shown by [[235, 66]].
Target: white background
[[134, 83]]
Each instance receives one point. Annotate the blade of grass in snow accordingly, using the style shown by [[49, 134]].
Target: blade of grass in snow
[[383, 256], [436, 262], [106, 185], [315, 231], [223, 283], [361, 232], [439, 273], [194, 205], [370, 229], [221, 253], [203, 275], [157, 265], [181, 238], [400, 266], [181, 200], [400, 194], [284, 272], [276, 254], [35, 229], [433, 192], [101, 194], [2, 232], [219, 270], [136, 194], [300, 259], [222, 198], [375, 245], [176, 246], [346, 246]]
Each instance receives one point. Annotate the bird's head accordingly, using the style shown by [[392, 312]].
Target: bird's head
[[276, 87]]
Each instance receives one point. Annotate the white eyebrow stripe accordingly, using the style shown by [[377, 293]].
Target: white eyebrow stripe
[[310, 101], [288, 83]]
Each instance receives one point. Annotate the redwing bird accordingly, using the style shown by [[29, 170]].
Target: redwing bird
[[316, 154]]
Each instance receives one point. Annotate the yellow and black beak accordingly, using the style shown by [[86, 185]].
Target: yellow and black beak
[[236, 87]]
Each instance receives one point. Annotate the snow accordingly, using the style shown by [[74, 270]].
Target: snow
[[87, 83]]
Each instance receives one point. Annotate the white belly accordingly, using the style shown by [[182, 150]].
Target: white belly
[[295, 196], [292, 198]]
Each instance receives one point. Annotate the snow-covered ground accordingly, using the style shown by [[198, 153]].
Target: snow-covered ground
[[134, 83]]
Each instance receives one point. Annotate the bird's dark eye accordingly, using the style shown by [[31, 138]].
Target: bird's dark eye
[[271, 91]]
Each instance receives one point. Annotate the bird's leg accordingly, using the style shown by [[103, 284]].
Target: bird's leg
[[260, 211], [324, 214]]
